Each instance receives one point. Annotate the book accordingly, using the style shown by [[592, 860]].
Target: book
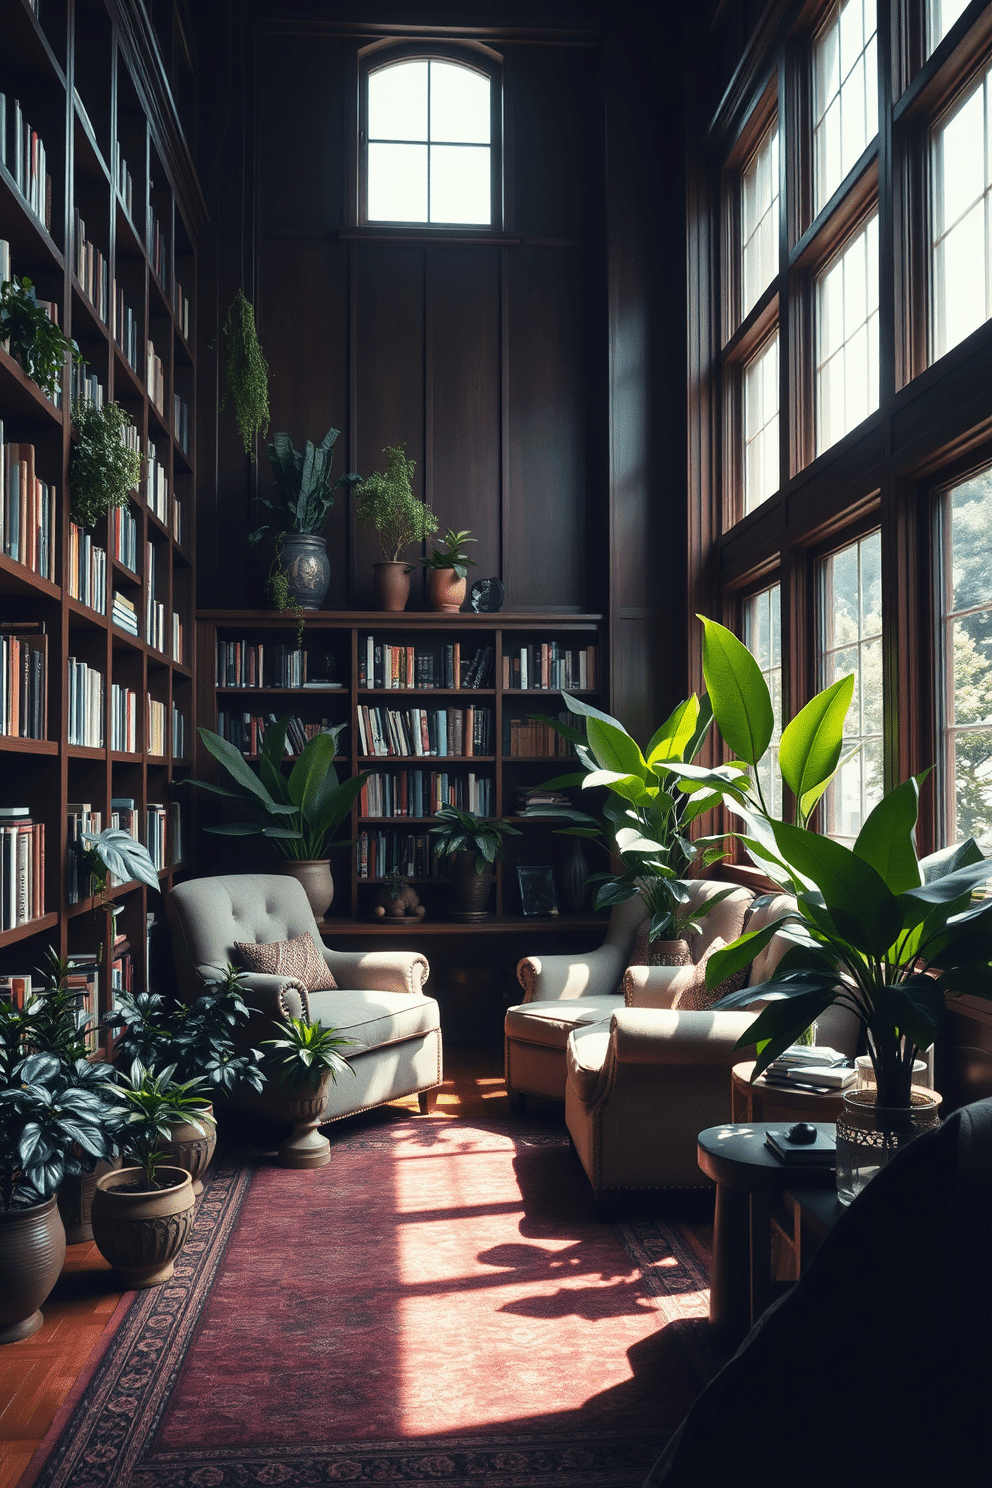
[[839, 1077], [821, 1153]]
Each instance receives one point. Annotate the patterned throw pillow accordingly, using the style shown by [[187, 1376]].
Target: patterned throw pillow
[[698, 997], [297, 958]]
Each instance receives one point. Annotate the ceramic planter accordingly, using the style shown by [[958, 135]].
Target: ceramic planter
[[141, 1231], [308, 571], [391, 582], [192, 1149], [469, 890], [32, 1249], [75, 1198], [445, 591], [318, 884]]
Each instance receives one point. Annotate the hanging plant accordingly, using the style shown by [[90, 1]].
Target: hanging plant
[[246, 372], [103, 469]]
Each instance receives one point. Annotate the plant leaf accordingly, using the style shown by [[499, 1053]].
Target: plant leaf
[[737, 691], [864, 910], [886, 839], [811, 743]]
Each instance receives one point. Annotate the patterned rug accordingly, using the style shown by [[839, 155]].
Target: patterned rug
[[438, 1305]]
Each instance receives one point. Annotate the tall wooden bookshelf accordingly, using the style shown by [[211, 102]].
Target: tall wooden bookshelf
[[337, 648], [114, 247]]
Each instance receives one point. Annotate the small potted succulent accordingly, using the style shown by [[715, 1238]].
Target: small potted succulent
[[447, 571], [305, 1056], [300, 572], [385, 502], [472, 844]]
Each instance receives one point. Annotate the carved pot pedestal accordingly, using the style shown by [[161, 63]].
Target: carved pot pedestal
[[141, 1231], [32, 1249], [305, 1147], [192, 1149]]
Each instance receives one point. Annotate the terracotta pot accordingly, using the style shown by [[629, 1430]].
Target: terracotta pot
[[445, 591], [141, 1231], [75, 1197], [305, 1147], [469, 890], [391, 582], [318, 884], [32, 1249], [307, 569], [192, 1149]]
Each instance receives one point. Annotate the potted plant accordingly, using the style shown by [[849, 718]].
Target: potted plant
[[246, 372], [305, 1056], [299, 814], [447, 571], [33, 337], [300, 573], [471, 844], [114, 851], [143, 1213], [103, 469], [55, 1119], [385, 502], [875, 928]]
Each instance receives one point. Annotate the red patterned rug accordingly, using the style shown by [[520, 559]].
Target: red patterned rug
[[437, 1305]]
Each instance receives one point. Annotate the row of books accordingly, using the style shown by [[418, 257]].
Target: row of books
[[253, 664], [178, 733], [27, 510], [444, 732], [92, 269], [85, 387], [80, 818], [124, 536], [180, 304], [87, 570], [381, 665], [22, 867], [529, 737], [246, 731], [124, 183], [156, 246], [155, 377], [155, 828], [24, 680], [23, 152], [83, 979], [421, 793], [411, 853], [549, 666], [126, 328], [85, 689], [180, 423], [123, 719], [156, 485]]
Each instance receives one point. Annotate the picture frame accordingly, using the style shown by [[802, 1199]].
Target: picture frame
[[537, 891]]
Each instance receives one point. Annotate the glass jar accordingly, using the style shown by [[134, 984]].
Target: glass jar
[[869, 1135]]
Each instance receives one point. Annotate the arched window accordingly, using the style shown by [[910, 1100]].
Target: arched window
[[428, 132]]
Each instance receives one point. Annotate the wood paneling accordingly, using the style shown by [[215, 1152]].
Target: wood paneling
[[303, 93]]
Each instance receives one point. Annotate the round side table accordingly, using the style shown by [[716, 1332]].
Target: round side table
[[756, 1100]]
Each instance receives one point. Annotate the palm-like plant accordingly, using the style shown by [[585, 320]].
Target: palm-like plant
[[304, 490], [462, 831], [150, 1105], [304, 1052]]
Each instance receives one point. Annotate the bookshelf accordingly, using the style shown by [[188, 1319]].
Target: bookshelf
[[106, 230], [435, 710]]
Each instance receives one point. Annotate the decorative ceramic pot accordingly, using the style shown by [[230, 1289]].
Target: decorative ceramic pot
[[192, 1148], [32, 1249], [318, 884], [140, 1231], [75, 1197], [308, 571], [445, 590], [869, 1135], [303, 1106], [391, 582], [669, 953], [469, 890]]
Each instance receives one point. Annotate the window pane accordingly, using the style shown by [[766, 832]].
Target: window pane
[[398, 102], [460, 183], [845, 94], [960, 211], [850, 631], [397, 183], [759, 221], [760, 384], [965, 701], [847, 338], [763, 638], [460, 110], [942, 15]]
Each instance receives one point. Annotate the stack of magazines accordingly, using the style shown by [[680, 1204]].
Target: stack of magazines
[[811, 1067]]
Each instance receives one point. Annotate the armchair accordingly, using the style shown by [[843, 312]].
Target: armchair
[[379, 1002]]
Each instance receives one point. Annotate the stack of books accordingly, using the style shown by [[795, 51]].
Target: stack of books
[[811, 1067], [124, 613]]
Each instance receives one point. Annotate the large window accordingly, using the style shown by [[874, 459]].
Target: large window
[[961, 261], [964, 545], [760, 385], [851, 641], [845, 94], [759, 220], [429, 143], [762, 615], [847, 337]]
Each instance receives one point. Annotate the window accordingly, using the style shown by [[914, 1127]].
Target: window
[[763, 638], [845, 94], [962, 181], [941, 15], [847, 337], [760, 391], [964, 545], [759, 220], [429, 143], [850, 585]]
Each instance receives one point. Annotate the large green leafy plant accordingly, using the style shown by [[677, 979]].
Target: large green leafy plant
[[103, 469], [463, 831], [299, 813], [150, 1105], [385, 502], [304, 492], [875, 928], [304, 1051]]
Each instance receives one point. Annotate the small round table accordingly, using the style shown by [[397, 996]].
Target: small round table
[[750, 1099]]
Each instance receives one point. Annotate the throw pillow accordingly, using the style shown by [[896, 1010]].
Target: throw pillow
[[297, 958], [697, 996]]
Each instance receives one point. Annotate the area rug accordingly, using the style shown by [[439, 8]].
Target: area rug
[[438, 1305]]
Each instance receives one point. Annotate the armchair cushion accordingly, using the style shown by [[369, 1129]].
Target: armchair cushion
[[373, 1020], [696, 996], [550, 1023], [298, 958]]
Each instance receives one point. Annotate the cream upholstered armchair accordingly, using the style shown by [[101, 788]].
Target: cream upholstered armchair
[[379, 1001], [568, 993]]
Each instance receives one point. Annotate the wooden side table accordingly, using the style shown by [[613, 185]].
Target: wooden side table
[[756, 1100]]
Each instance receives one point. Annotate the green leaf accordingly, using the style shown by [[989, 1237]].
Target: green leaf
[[946, 890], [309, 772], [886, 840], [237, 767], [672, 739], [782, 1022], [811, 743], [737, 691], [614, 749], [867, 915], [914, 1008], [741, 952], [630, 787]]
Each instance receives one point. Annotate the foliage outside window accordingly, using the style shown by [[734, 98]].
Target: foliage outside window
[[961, 241], [759, 220], [847, 337], [845, 94], [762, 617], [964, 544], [761, 455], [850, 584], [429, 143]]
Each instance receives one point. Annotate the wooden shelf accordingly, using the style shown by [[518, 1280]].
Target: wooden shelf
[[494, 925]]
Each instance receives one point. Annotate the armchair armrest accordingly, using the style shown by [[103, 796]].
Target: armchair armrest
[[561, 978], [656, 986], [275, 996], [379, 971], [666, 1036]]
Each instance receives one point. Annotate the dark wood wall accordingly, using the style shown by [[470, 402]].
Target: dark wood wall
[[537, 375]]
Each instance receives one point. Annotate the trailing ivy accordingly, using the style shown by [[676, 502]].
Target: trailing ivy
[[103, 468], [246, 372]]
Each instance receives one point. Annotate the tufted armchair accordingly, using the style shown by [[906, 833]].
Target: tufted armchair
[[379, 1002]]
